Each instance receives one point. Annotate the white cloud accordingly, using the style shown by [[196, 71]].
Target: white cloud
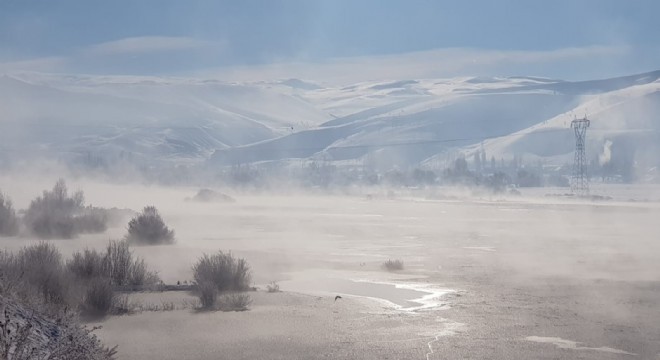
[[592, 61], [439, 63], [45, 64], [98, 56], [149, 44]]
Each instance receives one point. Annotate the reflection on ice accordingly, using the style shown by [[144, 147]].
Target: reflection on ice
[[409, 296]]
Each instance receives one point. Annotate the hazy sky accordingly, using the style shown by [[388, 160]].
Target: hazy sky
[[565, 38]]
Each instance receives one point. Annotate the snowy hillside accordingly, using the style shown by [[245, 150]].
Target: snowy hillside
[[403, 123], [630, 113], [149, 118]]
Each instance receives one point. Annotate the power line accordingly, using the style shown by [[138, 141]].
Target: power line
[[440, 141], [363, 146], [448, 140]]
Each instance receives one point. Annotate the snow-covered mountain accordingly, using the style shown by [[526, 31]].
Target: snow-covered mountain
[[395, 123], [148, 118], [407, 123]]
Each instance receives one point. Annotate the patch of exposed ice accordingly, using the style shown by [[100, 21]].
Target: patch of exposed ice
[[482, 248], [574, 345], [432, 299], [449, 328], [394, 292]]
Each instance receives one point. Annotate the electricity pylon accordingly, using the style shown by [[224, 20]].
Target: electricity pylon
[[580, 179]]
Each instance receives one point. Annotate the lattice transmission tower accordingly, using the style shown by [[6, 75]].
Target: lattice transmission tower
[[580, 179]]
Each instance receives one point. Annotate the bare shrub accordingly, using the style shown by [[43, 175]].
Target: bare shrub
[[36, 276], [15, 339], [154, 307], [8, 219], [26, 333], [123, 269], [224, 271], [138, 273], [273, 287], [86, 265], [234, 302], [10, 274], [121, 305], [393, 265], [51, 215], [99, 298], [42, 272], [167, 306], [208, 294], [116, 264], [55, 214], [191, 304], [157, 307], [78, 342], [17, 343], [148, 228]]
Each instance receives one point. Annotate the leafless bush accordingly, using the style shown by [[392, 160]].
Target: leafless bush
[[51, 215], [43, 274], [191, 303], [121, 305], [87, 264], [8, 220], [234, 302], [167, 306], [148, 228], [393, 265], [77, 342], [224, 271], [135, 270], [273, 287], [10, 274], [155, 307], [15, 339], [26, 333], [116, 264], [208, 294], [55, 214], [122, 269], [99, 298], [36, 276], [101, 272]]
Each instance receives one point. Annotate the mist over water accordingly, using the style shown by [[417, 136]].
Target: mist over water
[[329, 180], [457, 248], [464, 182], [303, 229]]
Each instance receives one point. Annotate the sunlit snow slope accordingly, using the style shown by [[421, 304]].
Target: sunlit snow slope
[[405, 123], [394, 123]]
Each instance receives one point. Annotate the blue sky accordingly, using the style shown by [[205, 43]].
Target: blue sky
[[179, 37]]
